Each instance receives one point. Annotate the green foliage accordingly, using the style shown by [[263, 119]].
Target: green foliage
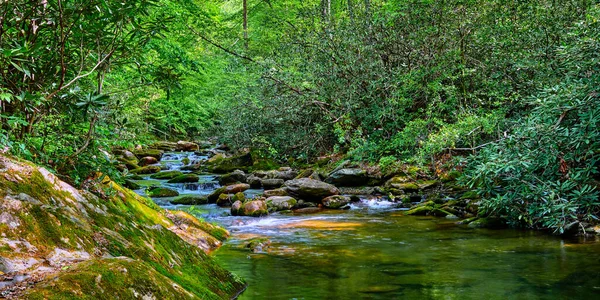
[[541, 174]]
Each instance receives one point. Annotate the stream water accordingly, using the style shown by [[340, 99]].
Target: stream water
[[373, 251]]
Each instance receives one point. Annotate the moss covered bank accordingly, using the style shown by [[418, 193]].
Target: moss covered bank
[[65, 243]]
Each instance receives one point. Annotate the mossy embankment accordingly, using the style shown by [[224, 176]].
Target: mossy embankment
[[102, 242]]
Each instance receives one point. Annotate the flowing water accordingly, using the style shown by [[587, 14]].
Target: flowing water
[[373, 251]]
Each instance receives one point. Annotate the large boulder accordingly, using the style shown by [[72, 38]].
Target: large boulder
[[186, 146], [348, 177], [336, 201], [279, 203], [237, 176], [253, 181], [230, 189], [309, 189]]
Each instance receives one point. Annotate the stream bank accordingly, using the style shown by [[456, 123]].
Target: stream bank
[[374, 246]]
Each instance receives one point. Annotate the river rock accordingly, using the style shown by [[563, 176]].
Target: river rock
[[160, 192], [236, 208], [225, 200], [132, 185], [149, 152], [275, 192], [237, 176], [254, 181], [272, 183], [284, 173], [257, 245], [230, 189], [336, 201], [186, 146], [221, 164], [255, 208], [147, 170], [166, 175], [164, 146], [348, 177], [148, 160], [190, 200], [309, 189], [185, 178], [279, 203]]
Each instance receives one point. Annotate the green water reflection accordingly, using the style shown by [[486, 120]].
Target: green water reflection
[[361, 255]]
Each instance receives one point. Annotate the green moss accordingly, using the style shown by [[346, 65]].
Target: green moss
[[149, 152], [185, 178], [166, 175], [146, 170], [190, 200], [420, 211], [160, 192]]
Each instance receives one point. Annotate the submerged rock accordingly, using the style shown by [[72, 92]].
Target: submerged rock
[[257, 245], [309, 189]]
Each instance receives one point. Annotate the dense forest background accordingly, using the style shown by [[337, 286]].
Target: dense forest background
[[503, 92]]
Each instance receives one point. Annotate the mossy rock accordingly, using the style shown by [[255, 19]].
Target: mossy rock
[[166, 175], [146, 170], [257, 244], [186, 178], [280, 203], [336, 202], [149, 152], [131, 164], [132, 185], [275, 192], [134, 177], [230, 189], [220, 164], [225, 200], [190, 200], [161, 192], [420, 210]]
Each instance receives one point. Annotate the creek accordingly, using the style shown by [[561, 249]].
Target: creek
[[374, 251]]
